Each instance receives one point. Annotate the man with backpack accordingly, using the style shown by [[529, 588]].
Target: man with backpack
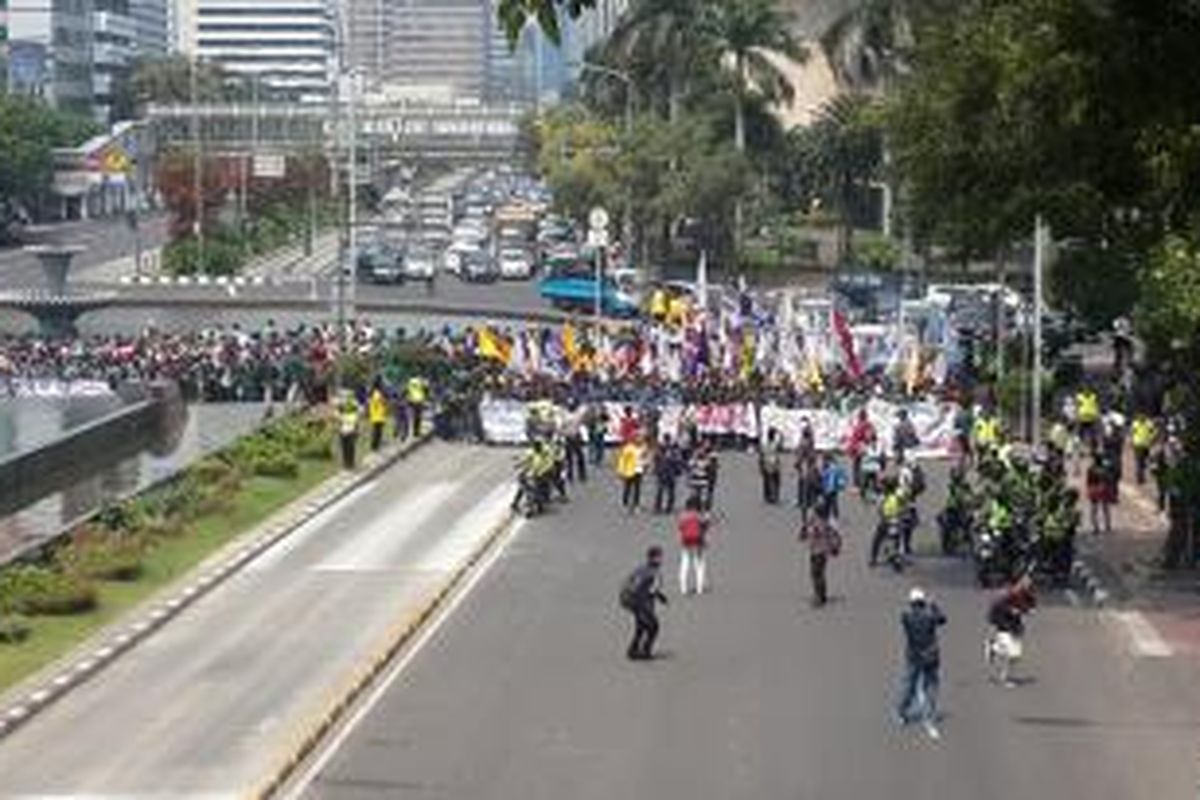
[[641, 590]]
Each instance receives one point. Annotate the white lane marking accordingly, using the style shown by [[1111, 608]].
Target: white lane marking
[[329, 749], [462, 539], [171, 796], [297, 538], [1145, 641], [370, 548]]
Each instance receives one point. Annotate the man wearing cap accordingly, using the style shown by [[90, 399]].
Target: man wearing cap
[[920, 622]]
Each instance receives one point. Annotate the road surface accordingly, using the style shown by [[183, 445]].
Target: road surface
[[209, 704], [525, 694]]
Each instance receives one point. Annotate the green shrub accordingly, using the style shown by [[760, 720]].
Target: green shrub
[[104, 556], [37, 590], [14, 629], [275, 463]]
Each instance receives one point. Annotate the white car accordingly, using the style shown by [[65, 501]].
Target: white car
[[515, 264], [419, 265]]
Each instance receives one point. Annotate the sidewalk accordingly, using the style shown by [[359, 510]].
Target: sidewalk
[[1127, 562]]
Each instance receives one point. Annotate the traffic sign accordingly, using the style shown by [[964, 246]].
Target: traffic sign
[[598, 219], [597, 237]]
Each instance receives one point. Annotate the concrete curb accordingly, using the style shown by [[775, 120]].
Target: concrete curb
[[275, 529], [340, 701]]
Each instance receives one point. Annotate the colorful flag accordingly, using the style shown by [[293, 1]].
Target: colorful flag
[[493, 345], [846, 339]]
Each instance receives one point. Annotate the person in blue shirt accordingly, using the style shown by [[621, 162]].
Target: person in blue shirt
[[833, 482]]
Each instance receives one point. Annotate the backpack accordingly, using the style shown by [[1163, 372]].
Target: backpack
[[628, 594]]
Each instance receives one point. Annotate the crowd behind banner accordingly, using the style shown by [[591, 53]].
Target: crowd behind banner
[[507, 421]]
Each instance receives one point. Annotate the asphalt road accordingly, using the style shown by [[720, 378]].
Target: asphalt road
[[103, 241], [524, 693], [208, 705]]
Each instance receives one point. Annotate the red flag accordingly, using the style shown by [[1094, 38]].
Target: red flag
[[846, 340]]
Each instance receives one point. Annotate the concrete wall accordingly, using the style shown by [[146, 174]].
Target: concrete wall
[[29, 475]]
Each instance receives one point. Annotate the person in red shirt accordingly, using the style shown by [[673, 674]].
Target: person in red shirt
[[693, 534], [862, 434], [628, 427]]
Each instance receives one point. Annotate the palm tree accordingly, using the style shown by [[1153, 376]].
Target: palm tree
[[743, 32], [666, 37]]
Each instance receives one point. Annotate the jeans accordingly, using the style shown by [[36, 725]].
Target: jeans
[[816, 567], [631, 492], [770, 486], [596, 442], [919, 678], [664, 496], [645, 631], [691, 562], [576, 463], [348, 441], [376, 435]]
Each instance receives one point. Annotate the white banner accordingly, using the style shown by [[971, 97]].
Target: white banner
[[53, 387], [504, 422]]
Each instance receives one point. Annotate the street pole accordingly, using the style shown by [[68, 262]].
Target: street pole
[[197, 170], [1039, 267]]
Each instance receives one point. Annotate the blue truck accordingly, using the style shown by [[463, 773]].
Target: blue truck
[[576, 291]]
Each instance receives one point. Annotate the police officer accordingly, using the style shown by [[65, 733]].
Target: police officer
[[1142, 435], [416, 391], [377, 415], [348, 430]]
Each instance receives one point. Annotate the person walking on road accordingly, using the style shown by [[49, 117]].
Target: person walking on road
[[348, 429], [572, 432], [808, 485], [1142, 436], [920, 623], [640, 593], [833, 482], [377, 415], [824, 543], [1100, 493], [770, 459], [630, 459], [668, 464], [693, 539], [416, 391], [595, 422], [1005, 645]]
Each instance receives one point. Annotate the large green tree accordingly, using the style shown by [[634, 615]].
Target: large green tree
[[29, 132]]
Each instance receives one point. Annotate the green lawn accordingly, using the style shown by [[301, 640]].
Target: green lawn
[[259, 497]]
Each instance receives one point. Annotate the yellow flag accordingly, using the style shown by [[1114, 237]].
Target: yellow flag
[[494, 346], [570, 345]]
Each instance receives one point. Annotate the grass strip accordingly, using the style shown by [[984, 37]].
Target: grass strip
[[256, 499]]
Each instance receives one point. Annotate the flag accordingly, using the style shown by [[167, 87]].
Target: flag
[[570, 345], [493, 345], [846, 340], [912, 369]]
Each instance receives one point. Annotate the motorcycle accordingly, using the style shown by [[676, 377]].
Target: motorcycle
[[533, 496], [891, 549]]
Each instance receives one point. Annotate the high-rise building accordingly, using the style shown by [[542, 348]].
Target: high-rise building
[[113, 50], [286, 44], [439, 48], [50, 47], [151, 27], [368, 27]]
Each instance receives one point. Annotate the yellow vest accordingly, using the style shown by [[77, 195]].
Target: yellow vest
[[417, 390], [377, 409], [1089, 406], [1143, 433], [349, 419]]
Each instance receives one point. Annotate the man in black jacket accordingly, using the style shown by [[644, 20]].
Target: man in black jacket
[[920, 622], [668, 464], [641, 591]]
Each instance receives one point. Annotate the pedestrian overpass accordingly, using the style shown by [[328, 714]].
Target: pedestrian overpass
[[405, 132]]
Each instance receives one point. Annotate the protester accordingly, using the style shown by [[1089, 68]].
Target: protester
[[668, 465], [348, 430], [630, 458], [920, 623], [1005, 644], [824, 543], [1100, 481], [769, 465], [377, 415], [639, 594], [833, 483], [693, 540]]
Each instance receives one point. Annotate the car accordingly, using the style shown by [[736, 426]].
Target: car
[[478, 266], [420, 264], [380, 262], [515, 264]]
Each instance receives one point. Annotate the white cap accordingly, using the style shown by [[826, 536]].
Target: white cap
[[916, 595]]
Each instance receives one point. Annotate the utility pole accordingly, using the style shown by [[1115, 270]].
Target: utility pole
[[1039, 268], [197, 168]]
